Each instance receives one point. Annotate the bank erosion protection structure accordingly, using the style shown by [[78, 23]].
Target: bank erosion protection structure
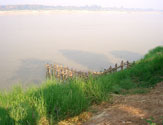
[[63, 73]]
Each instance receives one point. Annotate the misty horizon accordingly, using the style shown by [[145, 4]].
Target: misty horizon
[[62, 7], [142, 4]]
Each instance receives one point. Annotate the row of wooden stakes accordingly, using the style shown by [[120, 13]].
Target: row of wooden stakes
[[62, 73]]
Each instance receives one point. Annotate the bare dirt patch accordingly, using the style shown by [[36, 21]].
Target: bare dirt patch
[[131, 109], [124, 110]]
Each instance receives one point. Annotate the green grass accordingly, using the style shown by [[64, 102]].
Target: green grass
[[56, 101]]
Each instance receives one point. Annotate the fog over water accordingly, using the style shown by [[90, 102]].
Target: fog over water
[[82, 40]]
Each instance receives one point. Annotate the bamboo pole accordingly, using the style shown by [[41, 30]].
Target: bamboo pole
[[122, 64], [66, 74], [50, 75], [55, 70], [52, 71], [127, 64], [116, 67], [47, 71], [63, 73], [58, 72]]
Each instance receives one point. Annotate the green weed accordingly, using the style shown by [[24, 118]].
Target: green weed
[[54, 100]]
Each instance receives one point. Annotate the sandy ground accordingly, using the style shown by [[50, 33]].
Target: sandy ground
[[125, 110]]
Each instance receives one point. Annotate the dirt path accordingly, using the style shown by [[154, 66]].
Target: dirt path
[[131, 109], [125, 110]]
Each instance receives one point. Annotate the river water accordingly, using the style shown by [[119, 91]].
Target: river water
[[78, 39]]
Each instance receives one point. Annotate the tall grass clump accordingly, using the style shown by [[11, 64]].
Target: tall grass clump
[[52, 100], [55, 100], [144, 74]]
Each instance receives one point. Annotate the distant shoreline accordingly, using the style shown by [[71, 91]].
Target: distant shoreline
[[4, 12], [49, 9]]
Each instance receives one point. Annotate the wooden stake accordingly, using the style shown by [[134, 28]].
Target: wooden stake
[[127, 64], [116, 67], [122, 65]]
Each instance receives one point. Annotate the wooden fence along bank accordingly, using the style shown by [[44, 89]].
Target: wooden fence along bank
[[63, 73]]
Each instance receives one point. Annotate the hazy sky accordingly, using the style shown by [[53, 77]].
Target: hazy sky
[[155, 4]]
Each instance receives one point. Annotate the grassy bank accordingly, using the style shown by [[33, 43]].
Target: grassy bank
[[54, 101]]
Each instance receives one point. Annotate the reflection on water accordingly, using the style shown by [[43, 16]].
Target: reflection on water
[[30, 71], [93, 61], [127, 55]]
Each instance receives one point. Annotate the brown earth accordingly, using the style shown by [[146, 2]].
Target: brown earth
[[125, 110]]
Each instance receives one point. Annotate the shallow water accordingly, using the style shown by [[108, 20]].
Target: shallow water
[[82, 40]]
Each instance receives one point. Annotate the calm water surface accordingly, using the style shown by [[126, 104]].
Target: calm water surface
[[82, 40]]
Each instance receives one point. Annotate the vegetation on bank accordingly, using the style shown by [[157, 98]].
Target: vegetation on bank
[[54, 101]]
